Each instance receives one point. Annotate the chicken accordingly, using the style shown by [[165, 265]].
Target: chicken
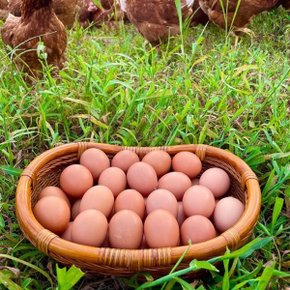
[[64, 9], [3, 9], [37, 22], [156, 20], [108, 11], [238, 16], [86, 10]]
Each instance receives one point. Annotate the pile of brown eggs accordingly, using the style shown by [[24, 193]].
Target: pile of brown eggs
[[131, 204]]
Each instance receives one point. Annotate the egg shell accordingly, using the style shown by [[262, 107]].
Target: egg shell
[[98, 197], [161, 229], [96, 161], [125, 230], [142, 177], [90, 228], [75, 180], [227, 212], [175, 182], [67, 233], [195, 181], [180, 214], [188, 163], [132, 200], [197, 229], [198, 200], [124, 159], [114, 178], [52, 213], [162, 199], [159, 160], [217, 180], [54, 191], [75, 210]]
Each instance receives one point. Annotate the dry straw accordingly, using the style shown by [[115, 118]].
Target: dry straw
[[46, 168]]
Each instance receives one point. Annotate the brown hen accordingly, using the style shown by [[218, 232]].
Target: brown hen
[[37, 22], [156, 20], [109, 11], [238, 14], [65, 10]]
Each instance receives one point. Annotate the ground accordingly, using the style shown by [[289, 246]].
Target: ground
[[205, 87]]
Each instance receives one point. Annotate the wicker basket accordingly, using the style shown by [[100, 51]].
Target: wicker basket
[[46, 168]]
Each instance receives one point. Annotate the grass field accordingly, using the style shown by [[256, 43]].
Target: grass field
[[206, 87]]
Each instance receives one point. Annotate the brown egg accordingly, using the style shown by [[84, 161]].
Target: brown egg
[[159, 160], [195, 181], [175, 182], [125, 230], [197, 229], [75, 180], [124, 159], [52, 213], [188, 163], [67, 233], [162, 199], [98, 197], [114, 178], [96, 161], [161, 229], [53, 191], [227, 212], [75, 210], [142, 177], [217, 180], [132, 200], [198, 200], [180, 214], [89, 228]]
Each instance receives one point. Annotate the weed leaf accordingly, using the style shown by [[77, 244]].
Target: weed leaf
[[11, 170], [276, 212], [67, 279]]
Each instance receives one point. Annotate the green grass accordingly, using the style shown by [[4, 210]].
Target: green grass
[[116, 89]]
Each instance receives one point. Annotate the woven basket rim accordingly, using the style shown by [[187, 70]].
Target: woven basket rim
[[48, 242]]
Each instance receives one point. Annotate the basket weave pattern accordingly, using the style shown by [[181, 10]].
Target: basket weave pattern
[[46, 169]]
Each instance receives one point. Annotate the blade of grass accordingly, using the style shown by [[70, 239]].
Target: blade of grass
[[276, 212]]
